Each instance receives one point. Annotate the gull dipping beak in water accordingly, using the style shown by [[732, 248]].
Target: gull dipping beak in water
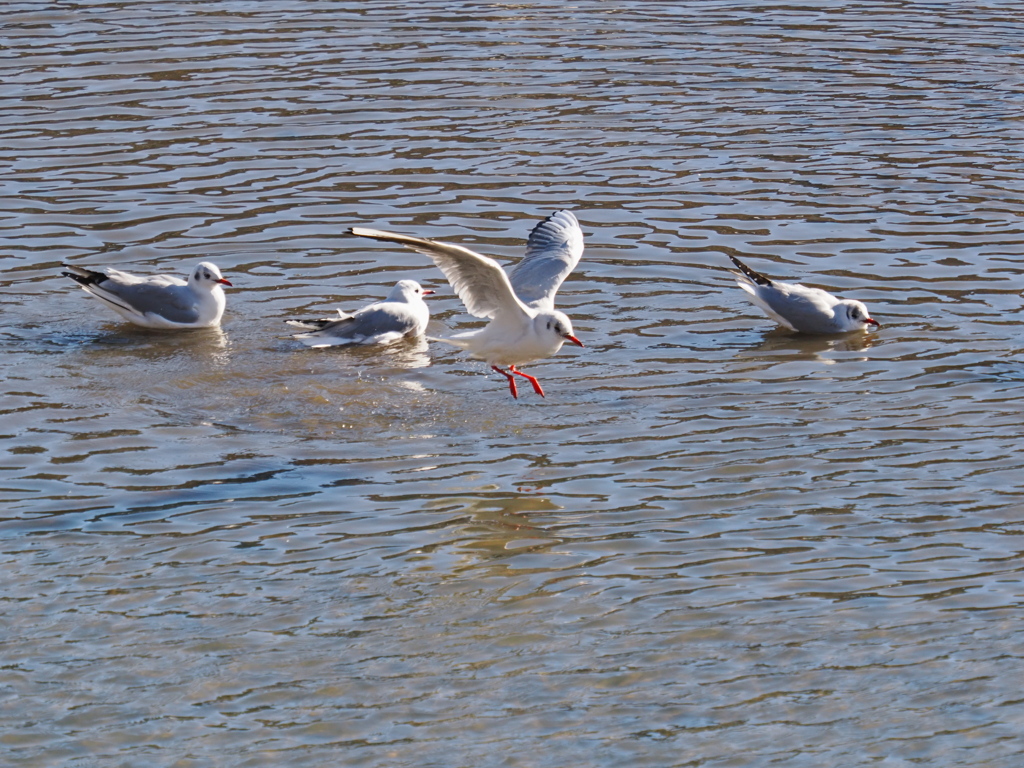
[[160, 301], [802, 309], [402, 313], [525, 325]]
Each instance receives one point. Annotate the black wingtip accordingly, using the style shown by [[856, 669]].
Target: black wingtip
[[89, 278], [552, 230], [563, 213], [757, 277], [311, 324]]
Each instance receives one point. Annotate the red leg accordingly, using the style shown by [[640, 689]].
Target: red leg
[[531, 379], [511, 381]]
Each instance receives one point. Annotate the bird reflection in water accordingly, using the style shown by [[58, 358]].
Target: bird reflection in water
[[777, 343]]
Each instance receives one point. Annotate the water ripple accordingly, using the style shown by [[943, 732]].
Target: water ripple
[[712, 540]]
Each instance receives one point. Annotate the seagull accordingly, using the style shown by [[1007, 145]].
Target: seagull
[[525, 325], [402, 313], [160, 301], [799, 308]]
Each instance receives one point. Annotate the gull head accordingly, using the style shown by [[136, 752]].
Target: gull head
[[207, 275], [853, 316], [407, 290], [555, 326]]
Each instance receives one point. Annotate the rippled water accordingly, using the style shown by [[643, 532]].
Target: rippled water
[[712, 544]]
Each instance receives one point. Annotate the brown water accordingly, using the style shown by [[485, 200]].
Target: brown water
[[713, 544]]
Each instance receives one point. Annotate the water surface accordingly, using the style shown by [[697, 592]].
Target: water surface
[[712, 544]]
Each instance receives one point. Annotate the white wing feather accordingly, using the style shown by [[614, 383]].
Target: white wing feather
[[478, 280], [553, 250]]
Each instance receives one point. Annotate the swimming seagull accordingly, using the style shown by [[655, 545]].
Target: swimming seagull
[[159, 301], [525, 325], [799, 308], [402, 313]]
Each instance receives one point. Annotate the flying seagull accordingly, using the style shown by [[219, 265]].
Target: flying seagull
[[524, 324]]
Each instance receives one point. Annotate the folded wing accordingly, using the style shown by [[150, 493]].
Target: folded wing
[[376, 324], [163, 295], [809, 310]]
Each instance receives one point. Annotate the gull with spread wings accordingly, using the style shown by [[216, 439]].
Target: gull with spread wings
[[524, 324]]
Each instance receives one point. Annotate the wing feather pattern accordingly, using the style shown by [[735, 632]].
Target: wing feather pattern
[[478, 280], [160, 295], [553, 250]]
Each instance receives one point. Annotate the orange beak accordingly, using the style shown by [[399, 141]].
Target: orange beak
[[222, 281], [574, 340]]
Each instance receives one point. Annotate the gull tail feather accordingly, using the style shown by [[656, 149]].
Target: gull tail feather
[[455, 342]]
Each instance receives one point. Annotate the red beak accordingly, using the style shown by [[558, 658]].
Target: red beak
[[429, 293], [574, 340], [869, 321], [222, 281]]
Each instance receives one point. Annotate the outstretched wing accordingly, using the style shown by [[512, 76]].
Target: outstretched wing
[[479, 281], [552, 252]]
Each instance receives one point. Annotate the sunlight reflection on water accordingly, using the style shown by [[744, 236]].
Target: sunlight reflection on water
[[712, 542]]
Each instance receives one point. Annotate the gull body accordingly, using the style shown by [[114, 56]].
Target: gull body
[[524, 324], [401, 314], [158, 301], [799, 308]]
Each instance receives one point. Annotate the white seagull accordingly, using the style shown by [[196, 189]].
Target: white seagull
[[525, 325], [159, 301], [799, 308], [402, 313]]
